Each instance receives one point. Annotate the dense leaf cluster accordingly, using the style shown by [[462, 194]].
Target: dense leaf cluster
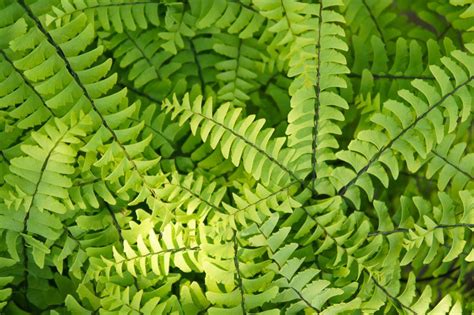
[[236, 157]]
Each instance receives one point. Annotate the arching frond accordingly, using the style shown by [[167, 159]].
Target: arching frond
[[241, 140], [407, 128]]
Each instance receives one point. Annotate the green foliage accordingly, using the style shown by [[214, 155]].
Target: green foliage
[[236, 157]]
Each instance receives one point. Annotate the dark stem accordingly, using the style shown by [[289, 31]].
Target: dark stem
[[317, 91], [28, 83], [199, 68], [280, 267], [115, 223], [390, 296], [374, 20], [431, 278], [454, 165], [441, 226], [239, 278], [148, 60], [140, 93], [391, 76]]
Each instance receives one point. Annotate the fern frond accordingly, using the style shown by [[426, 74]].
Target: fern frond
[[436, 229], [96, 233], [38, 205], [88, 190], [459, 17], [156, 254], [370, 17], [177, 25], [40, 181], [192, 298], [375, 72], [5, 292], [348, 250], [297, 290], [117, 15], [259, 203], [141, 51], [298, 286], [16, 89], [318, 67], [192, 198], [67, 45], [288, 21], [12, 24], [237, 279], [408, 303], [241, 140], [129, 300], [159, 73], [237, 71], [165, 132], [407, 128], [378, 72], [451, 164], [235, 16]]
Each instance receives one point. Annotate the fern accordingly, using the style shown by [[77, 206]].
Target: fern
[[236, 157]]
